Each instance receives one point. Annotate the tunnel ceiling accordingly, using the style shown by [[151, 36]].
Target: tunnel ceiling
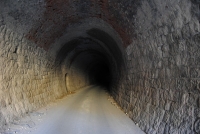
[[60, 14], [52, 17]]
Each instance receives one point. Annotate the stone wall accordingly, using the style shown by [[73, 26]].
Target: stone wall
[[28, 77], [77, 77], [161, 87]]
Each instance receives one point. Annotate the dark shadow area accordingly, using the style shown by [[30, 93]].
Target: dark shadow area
[[109, 42], [100, 74], [93, 60], [91, 67]]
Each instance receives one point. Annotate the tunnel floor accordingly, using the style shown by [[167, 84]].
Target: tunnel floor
[[88, 111]]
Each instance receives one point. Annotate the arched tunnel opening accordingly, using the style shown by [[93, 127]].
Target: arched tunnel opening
[[94, 59]]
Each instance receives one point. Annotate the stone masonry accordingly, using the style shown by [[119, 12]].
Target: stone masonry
[[27, 75], [161, 88]]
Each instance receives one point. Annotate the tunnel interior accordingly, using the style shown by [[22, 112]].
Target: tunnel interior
[[94, 67], [145, 52], [91, 59], [100, 74]]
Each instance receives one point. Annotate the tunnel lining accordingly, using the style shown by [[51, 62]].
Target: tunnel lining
[[104, 47]]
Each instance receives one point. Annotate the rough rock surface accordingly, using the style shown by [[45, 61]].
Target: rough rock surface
[[161, 88]]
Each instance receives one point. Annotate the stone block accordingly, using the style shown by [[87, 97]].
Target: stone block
[[197, 125], [198, 102]]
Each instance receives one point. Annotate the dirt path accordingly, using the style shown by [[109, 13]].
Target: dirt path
[[89, 111]]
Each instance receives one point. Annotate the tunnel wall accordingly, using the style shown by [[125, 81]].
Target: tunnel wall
[[160, 88], [77, 78], [28, 77]]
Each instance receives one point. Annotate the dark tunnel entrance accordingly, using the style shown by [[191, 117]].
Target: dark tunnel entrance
[[90, 67], [100, 74], [95, 60]]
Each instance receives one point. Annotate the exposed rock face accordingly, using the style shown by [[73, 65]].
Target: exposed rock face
[[151, 49]]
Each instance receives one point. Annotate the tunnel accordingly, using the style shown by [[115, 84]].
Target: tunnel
[[144, 53], [94, 57]]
